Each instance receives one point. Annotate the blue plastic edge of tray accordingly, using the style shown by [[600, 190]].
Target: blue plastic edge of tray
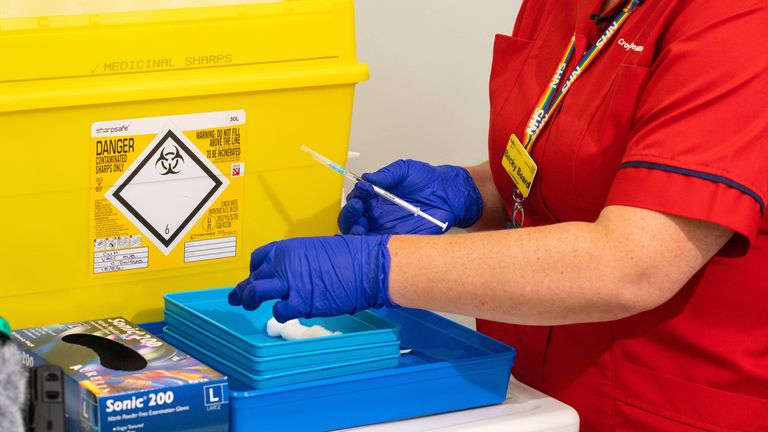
[[297, 377], [286, 363], [175, 320], [276, 364], [189, 344], [379, 396]]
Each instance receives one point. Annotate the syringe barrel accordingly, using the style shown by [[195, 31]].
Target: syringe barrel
[[399, 201]]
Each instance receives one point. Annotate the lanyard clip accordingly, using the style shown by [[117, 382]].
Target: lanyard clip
[[518, 212]]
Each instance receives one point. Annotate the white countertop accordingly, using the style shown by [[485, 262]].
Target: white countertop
[[525, 410]]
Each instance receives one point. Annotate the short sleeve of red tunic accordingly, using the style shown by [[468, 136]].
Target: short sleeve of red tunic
[[699, 144]]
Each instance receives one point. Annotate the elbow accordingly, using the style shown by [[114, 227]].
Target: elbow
[[643, 292]]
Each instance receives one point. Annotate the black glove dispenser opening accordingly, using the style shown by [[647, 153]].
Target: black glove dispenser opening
[[112, 355]]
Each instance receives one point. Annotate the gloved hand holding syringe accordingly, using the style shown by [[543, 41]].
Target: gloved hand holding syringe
[[381, 192]]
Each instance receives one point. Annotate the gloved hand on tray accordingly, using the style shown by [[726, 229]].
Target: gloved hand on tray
[[318, 276]]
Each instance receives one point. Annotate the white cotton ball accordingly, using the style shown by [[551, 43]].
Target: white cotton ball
[[274, 328], [294, 330], [318, 331]]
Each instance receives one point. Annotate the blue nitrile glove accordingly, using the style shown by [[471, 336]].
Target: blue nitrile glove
[[317, 276], [445, 192]]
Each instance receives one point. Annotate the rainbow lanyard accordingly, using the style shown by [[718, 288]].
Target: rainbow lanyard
[[552, 98]]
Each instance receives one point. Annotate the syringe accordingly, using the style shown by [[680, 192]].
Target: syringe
[[381, 192]]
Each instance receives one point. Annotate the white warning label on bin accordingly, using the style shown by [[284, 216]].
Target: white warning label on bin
[[160, 181], [118, 260]]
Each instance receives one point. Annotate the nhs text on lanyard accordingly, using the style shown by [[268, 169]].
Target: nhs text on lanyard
[[517, 159]]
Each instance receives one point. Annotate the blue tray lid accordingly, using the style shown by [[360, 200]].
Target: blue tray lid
[[210, 310]]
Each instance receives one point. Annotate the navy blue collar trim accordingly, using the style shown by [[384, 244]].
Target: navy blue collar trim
[[698, 174]]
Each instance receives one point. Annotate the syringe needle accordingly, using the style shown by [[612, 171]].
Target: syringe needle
[[379, 191]]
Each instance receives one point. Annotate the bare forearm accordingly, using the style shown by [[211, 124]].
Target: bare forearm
[[493, 216], [559, 274], [499, 275]]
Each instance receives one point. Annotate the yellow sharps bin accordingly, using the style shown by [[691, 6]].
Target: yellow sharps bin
[[149, 147]]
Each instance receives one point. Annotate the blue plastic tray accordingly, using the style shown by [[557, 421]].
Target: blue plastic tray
[[450, 368], [210, 310], [298, 375], [274, 364]]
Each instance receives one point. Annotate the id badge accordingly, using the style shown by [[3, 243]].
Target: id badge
[[519, 165]]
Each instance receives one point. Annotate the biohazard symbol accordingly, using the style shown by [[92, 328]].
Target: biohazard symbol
[[170, 160]]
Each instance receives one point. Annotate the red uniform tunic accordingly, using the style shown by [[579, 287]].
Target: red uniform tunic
[[671, 117]]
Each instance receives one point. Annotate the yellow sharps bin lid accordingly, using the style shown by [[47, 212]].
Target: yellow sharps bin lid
[[128, 44]]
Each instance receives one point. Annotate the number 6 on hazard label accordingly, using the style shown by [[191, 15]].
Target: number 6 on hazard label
[[519, 165]]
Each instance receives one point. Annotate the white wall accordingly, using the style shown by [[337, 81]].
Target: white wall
[[427, 98]]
